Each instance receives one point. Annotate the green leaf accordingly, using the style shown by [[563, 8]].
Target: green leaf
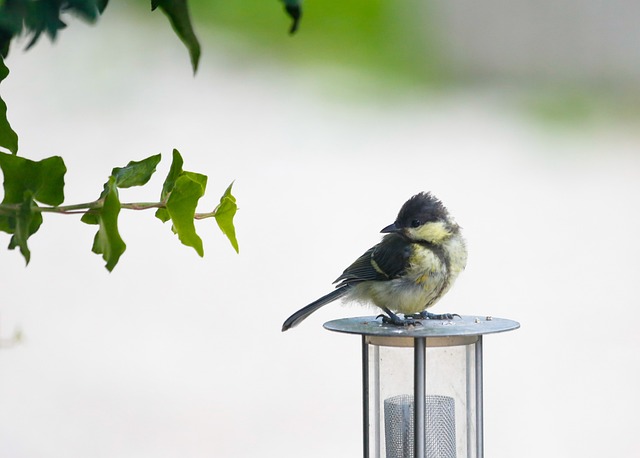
[[8, 138], [26, 182], [178, 13], [25, 224], [181, 207], [294, 10], [107, 240], [169, 183], [224, 213], [181, 210], [89, 10], [91, 217], [102, 5], [43, 179], [163, 215], [174, 173], [135, 173]]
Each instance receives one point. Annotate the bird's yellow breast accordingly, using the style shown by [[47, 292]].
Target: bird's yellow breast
[[427, 277], [413, 292]]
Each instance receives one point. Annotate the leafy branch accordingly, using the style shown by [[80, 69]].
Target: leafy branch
[[32, 188]]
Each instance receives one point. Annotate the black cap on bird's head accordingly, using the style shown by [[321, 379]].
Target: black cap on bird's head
[[420, 209]]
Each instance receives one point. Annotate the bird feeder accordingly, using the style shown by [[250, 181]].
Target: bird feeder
[[422, 385]]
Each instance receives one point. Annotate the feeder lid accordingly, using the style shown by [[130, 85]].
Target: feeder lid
[[457, 327]]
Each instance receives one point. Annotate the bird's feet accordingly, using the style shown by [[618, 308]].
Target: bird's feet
[[424, 315], [392, 318]]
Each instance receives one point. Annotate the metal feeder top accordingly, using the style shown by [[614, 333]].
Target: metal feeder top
[[458, 331]]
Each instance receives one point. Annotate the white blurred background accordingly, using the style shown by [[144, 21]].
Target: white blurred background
[[176, 356]]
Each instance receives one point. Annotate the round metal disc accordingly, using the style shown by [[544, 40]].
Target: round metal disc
[[458, 326]]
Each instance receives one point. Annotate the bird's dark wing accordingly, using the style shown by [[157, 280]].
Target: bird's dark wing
[[385, 261]]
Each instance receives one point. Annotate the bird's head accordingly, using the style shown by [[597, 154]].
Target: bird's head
[[423, 218]]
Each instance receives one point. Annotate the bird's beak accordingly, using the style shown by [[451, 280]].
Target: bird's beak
[[390, 228]]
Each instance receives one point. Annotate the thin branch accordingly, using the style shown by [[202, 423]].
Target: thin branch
[[11, 209], [205, 215], [71, 209], [142, 205]]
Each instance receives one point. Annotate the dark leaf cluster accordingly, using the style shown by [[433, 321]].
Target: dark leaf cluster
[[33, 18]]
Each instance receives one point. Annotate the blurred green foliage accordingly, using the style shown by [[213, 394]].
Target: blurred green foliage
[[391, 40], [578, 106]]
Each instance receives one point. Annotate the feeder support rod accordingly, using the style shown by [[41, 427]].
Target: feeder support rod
[[365, 396], [419, 395], [479, 400]]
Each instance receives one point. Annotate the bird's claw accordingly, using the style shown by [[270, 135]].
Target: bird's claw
[[413, 320], [435, 316], [395, 320]]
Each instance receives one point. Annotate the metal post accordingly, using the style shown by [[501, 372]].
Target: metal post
[[470, 399], [365, 397], [419, 395], [479, 401]]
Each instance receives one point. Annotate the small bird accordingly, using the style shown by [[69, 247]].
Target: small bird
[[412, 267]]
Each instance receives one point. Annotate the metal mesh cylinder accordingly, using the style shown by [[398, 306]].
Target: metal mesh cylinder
[[440, 427]]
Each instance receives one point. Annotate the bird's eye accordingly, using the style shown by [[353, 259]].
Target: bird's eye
[[415, 223]]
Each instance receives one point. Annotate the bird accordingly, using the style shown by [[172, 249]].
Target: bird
[[414, 265]]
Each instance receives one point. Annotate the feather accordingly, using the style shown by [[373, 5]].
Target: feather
[[385, 261], [304, 312]]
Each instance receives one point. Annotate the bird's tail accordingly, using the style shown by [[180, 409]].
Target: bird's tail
[[304, 312]]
